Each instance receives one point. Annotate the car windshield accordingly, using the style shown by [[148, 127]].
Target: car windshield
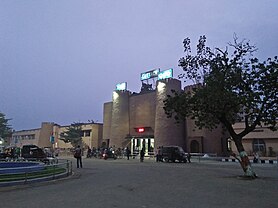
[[181, 150]]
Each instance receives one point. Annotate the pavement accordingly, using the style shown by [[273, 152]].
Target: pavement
[[131, 184]]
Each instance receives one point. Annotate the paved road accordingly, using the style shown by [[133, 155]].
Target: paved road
[[131, 184]]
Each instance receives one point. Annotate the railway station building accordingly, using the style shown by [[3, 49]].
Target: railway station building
[[138, 120]]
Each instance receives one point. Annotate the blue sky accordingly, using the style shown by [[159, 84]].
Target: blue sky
[[61, 60]]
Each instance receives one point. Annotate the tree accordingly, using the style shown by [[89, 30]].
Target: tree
[[5, 128], [229, 88], [73, 134]]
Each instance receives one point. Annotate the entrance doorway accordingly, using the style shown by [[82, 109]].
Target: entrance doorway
[[142, 143], [194, 146]]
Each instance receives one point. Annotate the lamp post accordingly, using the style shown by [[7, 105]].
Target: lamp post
[[1, 144]]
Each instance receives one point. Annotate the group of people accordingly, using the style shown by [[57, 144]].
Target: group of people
[[119, 152], [98, 152]]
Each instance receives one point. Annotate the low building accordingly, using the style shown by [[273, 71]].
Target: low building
[[262, 140], [91, 135], [49, 134], [39, 136]]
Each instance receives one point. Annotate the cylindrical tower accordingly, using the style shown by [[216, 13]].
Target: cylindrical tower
[[167, 130], [120, 119]]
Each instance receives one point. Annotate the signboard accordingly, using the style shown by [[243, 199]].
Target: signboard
[[149, 74], [165, 74], [140, 130], [52, 139], [121, 86]]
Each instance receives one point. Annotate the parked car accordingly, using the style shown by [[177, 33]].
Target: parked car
[[173, 154], [33, 152]]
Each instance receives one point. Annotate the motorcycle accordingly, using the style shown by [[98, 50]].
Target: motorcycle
[[109, 154]]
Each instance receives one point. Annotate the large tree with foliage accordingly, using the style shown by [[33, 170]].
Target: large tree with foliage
[[5, 128], [73, 134], [230, 86]]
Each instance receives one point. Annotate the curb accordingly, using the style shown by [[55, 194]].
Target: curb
[[261, 161]]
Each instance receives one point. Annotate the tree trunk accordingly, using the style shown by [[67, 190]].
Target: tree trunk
[[244, 160]]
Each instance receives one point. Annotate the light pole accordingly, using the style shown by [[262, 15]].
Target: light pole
[[1, 144]]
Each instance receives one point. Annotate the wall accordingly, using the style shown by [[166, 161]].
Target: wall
[[142, 113], [45, 133]]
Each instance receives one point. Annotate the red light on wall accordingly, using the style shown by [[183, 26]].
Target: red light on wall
[[141, 130]]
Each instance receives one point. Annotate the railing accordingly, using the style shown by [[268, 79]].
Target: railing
[[57, 168]]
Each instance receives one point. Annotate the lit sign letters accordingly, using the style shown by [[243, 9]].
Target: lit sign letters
[[149, 74], [165, 74], [146, 75], [121, 86]]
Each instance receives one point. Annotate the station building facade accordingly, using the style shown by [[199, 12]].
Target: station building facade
[[138, 120]]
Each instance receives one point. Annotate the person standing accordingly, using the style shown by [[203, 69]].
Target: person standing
[[78, 156]]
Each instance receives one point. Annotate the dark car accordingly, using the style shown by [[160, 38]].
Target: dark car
[[32, 152], [173, 154]]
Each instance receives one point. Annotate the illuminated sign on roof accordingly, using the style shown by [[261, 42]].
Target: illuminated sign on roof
[[149, 74], [121, 86], [165, 74]]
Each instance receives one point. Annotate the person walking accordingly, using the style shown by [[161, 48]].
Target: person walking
[[142, 154], [158, 154], [89, 152], [127, 153], [189, 157], [78, 156]]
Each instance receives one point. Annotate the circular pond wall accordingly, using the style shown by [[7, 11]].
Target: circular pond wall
[[20, 167]]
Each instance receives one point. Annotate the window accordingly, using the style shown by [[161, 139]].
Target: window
[[25, 137], [87, 133], [259, 145]]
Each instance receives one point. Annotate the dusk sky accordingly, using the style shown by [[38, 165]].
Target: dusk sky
[[60, 60]]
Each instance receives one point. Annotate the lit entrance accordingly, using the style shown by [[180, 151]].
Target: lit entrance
[[138, 143]]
